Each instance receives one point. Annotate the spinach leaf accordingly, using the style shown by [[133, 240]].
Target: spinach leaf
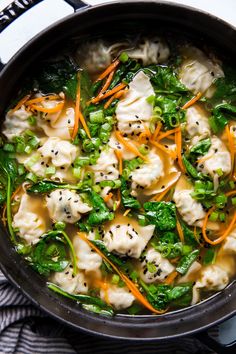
[[48, 186], [192, 172], [161, 296], [91, 303], [165, 79], [189, 237], [220, 116], [120, 262], [201, 148], [186, 262], [49, 254], [226, 86], [161, 214], [127, 200], [100, 212], [85, 88], [210, 256]]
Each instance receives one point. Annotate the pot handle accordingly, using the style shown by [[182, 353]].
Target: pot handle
[[18, 7]]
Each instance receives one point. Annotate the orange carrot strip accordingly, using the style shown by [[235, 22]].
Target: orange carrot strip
[[166, 134], [108, 93], [82, 119], [171, 277], [41, 99], [178, 141], [157, 130], [229, 194], [128, 145], [111, 99], [77, 111], [180, 231], [108, 197], [223, 236], [119, 158], [110, 68], [161, 195], [164, 149], [231, 147], [131, 286], [55, 109], [192, 101], [20, 103]]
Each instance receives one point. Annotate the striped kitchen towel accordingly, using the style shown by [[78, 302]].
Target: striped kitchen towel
[[26, 330]]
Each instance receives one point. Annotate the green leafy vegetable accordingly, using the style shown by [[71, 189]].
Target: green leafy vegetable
[[221, 115], [226, 86], [100, 212], [48, 186], [165, 80], [90, 303], [161, 214], [186, 262], [49, 254], [200, 149], [127, 200], [210, 256]]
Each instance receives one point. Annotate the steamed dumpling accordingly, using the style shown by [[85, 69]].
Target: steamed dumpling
[[133, 112], [73, 284], [213, 277], [229, 245], [119, 298], [197, 124], [191, 211], [16, 123], [127, 240], [65, 205], [87, 260], [150, 51], [149, 172], [217, 158], [198, 72], [106, 167], [161, 265], [28, 221]]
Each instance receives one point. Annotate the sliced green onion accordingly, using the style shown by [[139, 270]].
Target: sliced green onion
[[158, 111], [60, 225], [219, 172], [32, 177], [29, 133], [96, 117], [232, 184], [21, 170], [32, 120], [144, 149], [186, 249], [97, 188], [32, 160], [50, 170], [28, 149], [115, 279], [34, 142], [9, 147], [151, 99], [123, 57], [77, 172], [220, 200], [222, 217], [151, 267], [214, 216]]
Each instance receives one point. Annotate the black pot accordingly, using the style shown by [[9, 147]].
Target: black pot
[[116, 17]]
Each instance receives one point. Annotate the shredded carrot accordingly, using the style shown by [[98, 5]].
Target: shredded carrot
[[144, 135], [131, 286], [104, 88], [55, 109], [116, 95], [231, 147], [178, 141], [171, 277], [180, 231], [20, 103], [41, 99], [77, 112], [108, 197], [119, 158], [157, 131], [108, 93], [161, 195], [104, 286], [225, 233], [126, 212], [164, 149], [129, 146], [110, 68], [229, 194], [83, 121], [192, 101], [168, 133]]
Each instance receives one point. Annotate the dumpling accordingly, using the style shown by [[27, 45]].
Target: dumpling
[[28, 221], [73, 284], [229, 245], [150, 51], [133, 112], [198, 72], [191, 273], [87, 259], [127, 240], [197, 124], [162, 267], [65, 205], [119, 298], [106, 167], [149, 172], [217, 158], [16, 123], [212, 277], [191, 211], [58, 124]]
